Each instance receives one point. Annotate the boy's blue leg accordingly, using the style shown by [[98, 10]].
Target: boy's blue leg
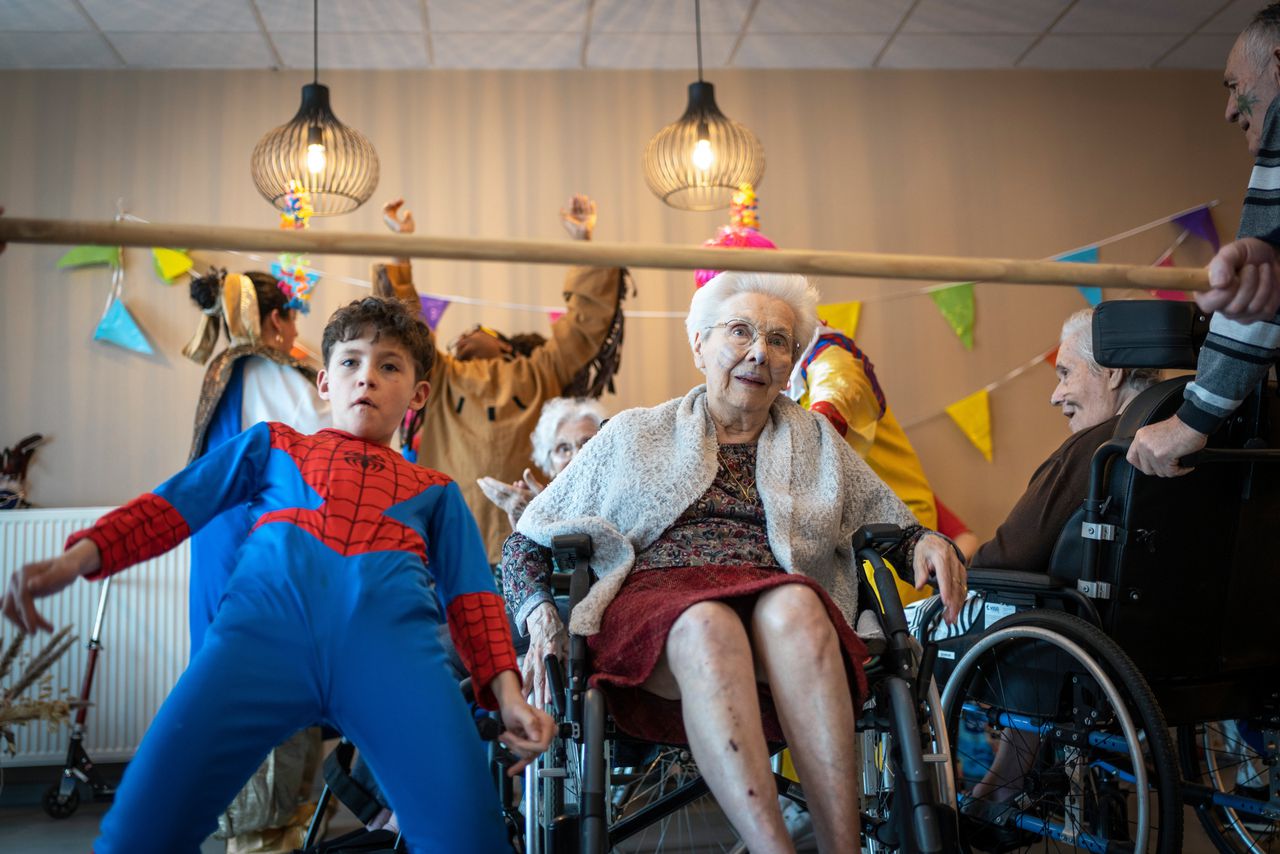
[[395, 698], [249, 688]]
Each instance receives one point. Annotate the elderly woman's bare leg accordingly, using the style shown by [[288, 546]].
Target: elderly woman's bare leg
[[800, 653], [708, 665]]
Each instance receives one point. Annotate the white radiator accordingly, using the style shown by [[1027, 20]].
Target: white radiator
[[144, 638]]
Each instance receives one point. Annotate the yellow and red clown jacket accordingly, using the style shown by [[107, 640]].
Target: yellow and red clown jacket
[[835, 378]]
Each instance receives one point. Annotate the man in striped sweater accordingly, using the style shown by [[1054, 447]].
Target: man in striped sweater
[[1244, 336]]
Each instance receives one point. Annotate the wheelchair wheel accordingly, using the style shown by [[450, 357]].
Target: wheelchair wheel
[[884, 827], [1234, 762], [1067, 727], [696, 826]]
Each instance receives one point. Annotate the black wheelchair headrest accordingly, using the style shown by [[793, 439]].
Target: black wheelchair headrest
[[1148, 334]]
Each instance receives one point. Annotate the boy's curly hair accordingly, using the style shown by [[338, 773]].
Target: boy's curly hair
[[383, 316]]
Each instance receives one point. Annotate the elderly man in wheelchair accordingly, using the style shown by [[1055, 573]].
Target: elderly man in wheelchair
[[1112, 605], [721, 530]]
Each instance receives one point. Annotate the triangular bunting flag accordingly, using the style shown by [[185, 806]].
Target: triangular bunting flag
[[1176, 296], [85, 256], [1200, 223], [432, 309], [842, 316], [1084, 256], [118, 327], [973, 416], [555, 314], [1052, 357], [956, 304], [171, 263]]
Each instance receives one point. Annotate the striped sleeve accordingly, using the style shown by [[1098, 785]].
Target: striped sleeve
[[1235, 357]]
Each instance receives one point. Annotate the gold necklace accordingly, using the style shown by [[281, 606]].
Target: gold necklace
[[743, 491]]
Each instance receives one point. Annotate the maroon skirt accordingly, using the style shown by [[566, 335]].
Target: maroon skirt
[[633, 634]]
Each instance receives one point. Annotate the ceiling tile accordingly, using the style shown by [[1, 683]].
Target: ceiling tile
[[343, 16], [1100, 51], [507, 50], [667, 16], [983, 16], [814, 50], [1203, 50], [828, 16], [657, 50], [509, 16], [46, 16], [171, 16], [1134, 16], [354, 50], [55, 50], [193, 50], [923, 50], [1234, 18]]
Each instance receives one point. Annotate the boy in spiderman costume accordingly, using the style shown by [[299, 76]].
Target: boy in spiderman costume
[[354, 558]]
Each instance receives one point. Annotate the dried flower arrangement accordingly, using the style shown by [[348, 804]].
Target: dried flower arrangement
[[17, 709]]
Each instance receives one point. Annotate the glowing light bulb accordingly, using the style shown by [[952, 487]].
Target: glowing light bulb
[[315, 151], [703, 156], [315, 159]]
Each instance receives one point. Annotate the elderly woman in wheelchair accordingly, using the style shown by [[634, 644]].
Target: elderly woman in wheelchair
[[722, 525]]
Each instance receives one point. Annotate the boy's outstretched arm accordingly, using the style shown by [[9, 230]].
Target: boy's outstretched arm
[[43, 578]]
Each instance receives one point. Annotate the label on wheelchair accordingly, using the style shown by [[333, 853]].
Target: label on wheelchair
[[994, 611]]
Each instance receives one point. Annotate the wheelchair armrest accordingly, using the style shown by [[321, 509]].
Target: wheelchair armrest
[[878, 537], [1018, 581], [1011, 579], [571, 553]]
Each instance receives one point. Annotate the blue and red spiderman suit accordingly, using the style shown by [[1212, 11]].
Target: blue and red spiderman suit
[[329, 617]]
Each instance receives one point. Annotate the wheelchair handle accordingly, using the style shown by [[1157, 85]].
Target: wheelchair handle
[[1230, 455], [555, 684]]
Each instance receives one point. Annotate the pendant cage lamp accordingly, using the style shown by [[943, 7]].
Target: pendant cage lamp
[[316, 152], [699, 162]]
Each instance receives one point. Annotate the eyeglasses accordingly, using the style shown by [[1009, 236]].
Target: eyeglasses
[[744, 334]]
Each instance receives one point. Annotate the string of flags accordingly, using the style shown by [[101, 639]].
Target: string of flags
[[972, 413]]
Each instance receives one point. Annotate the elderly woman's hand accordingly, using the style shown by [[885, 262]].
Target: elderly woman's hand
[[936, 559], [547, 636]]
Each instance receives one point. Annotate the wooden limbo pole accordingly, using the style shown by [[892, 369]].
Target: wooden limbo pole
[[811, 263]]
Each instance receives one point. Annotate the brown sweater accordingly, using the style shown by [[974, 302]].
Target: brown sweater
[[481, 412], [1025, 540]]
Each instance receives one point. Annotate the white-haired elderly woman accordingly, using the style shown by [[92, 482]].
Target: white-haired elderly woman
[[564, 426], [722, 524]]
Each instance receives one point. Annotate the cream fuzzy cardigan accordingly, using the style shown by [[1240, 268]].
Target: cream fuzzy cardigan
[[633, 480]]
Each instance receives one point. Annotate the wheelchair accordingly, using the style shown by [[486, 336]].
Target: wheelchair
[[598, 791], [1157, 611]]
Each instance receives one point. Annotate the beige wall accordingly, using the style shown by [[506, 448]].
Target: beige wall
[[1020, 164]]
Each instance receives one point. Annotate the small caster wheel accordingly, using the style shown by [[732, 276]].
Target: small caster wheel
[[58, 808]]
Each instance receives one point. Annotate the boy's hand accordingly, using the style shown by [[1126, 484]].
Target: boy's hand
[[44, 578], [528, 730], [579, 217]]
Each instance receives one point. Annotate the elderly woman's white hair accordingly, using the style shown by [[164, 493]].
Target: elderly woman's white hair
[[1077, 330], [556, 412], [795, 291]]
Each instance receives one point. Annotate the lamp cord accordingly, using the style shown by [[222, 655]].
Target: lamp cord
[[697, 19], [315, 41]]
